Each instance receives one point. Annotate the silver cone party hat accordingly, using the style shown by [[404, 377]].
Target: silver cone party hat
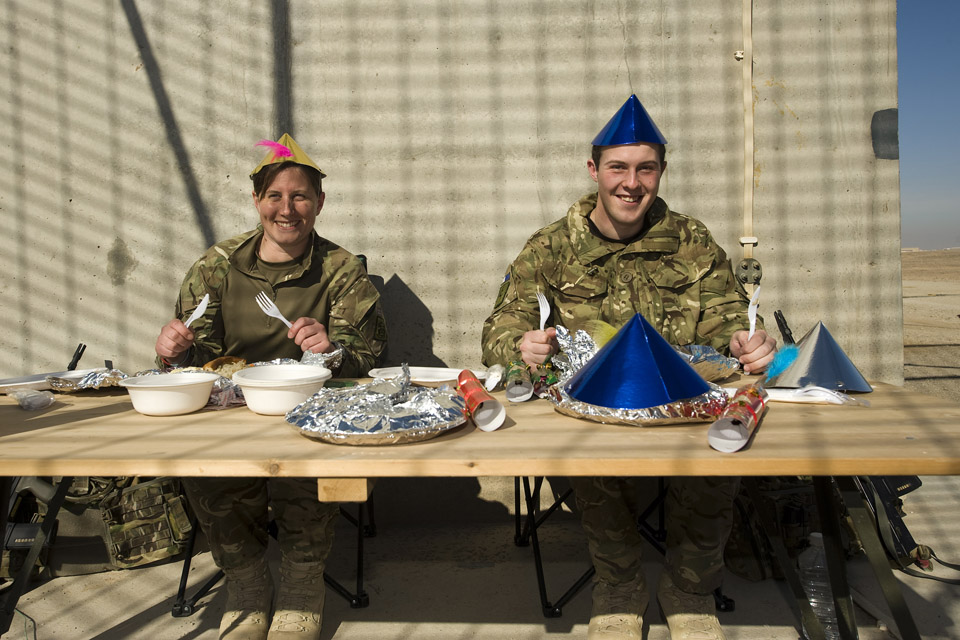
[[822, 363]]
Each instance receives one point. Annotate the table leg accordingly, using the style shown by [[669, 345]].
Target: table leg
[[19, 585], [866, 529], [768, 521], [829, 512], [532, 501], [6, 486]]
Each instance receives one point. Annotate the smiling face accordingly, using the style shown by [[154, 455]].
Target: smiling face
[[288, 210], [628, 178]]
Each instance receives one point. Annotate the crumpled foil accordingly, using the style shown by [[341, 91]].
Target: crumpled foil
[[331, 360], [278, 361], [93, 380], [708, 362], [225, 392], [380, 412], [577, 349]]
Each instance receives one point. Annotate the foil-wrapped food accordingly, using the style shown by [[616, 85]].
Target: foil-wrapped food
[[708, 362], [578, 348], [94, 379], [703, 408], [331, 360], [380, 412]]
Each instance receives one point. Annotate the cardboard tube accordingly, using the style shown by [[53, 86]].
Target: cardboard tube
[[518, 383], [487, 413], [732, 431]]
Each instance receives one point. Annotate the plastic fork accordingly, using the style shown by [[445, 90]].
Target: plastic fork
[[270, 308], [544, 309], [752, 312], [199, 310]]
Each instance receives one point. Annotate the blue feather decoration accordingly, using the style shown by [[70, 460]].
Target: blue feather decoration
[[782, 360]]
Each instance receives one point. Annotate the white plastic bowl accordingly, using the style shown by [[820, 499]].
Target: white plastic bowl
[[170, 394], [274, 389]]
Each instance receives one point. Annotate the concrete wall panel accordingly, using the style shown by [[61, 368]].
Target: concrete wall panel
[[450, 132]]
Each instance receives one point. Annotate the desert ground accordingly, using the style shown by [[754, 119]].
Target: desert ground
[[931, 322]]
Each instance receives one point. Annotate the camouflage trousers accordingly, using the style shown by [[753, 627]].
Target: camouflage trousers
[[233, 514], [699, 514]]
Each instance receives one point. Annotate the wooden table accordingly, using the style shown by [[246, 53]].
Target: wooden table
[[99, 434]]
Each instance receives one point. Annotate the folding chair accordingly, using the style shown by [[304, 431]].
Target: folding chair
[[526, 533], [184, 606]]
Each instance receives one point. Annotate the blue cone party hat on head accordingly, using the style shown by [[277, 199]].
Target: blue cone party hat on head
[[631, 124], [637, 369], [821, 362]]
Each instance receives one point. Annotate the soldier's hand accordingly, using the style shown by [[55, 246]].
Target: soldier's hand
[[174, 341], [310, 335], [754, 354], [537, 346]]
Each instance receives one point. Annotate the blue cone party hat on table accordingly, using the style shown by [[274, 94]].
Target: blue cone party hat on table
[[820, 362], [637, 369], [631, 124]]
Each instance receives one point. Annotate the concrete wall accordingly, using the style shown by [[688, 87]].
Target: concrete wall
[[449, 131]]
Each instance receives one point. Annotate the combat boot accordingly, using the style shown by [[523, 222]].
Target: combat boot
[[689, 616], [617, 611], [249, 594], [299, 610]]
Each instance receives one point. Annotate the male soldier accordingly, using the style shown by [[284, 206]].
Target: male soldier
[[618, 252]]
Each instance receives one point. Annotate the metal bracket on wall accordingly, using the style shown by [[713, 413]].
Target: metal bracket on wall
[[749, 271]]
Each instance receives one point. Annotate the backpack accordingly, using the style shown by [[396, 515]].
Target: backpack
[[105, 524]]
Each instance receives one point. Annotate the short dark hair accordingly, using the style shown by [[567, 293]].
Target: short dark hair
[[661, 151], [264, 178]]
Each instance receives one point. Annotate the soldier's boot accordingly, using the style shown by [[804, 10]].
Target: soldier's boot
[[249, 594], [689, 616], [299, 610], [617, 611]]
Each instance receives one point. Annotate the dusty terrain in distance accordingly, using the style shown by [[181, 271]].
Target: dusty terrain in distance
[[931, 322]]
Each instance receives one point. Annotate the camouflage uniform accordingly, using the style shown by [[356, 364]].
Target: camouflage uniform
[[328, 284], [680, 280], [233, 514]]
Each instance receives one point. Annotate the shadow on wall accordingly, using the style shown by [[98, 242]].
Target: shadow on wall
[[410, 331], [409, 325]]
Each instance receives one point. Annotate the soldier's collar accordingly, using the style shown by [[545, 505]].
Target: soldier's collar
[[658, 235], [587, 246], [661, 236], [245, 257]]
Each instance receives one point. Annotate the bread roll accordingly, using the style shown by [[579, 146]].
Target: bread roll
[[226, 366]]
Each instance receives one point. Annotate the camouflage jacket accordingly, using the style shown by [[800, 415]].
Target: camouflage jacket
[[674, 274], [330, 284]]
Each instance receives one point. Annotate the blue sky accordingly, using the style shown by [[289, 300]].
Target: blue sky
[[929, 76]]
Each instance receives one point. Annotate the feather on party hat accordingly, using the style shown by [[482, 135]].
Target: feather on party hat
[[285, 149]]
